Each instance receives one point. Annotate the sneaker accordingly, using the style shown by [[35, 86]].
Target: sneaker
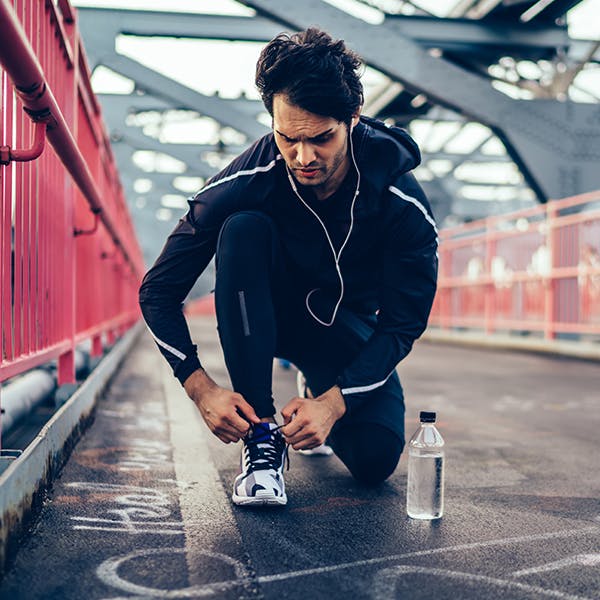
[[323, 449], [261, 480]]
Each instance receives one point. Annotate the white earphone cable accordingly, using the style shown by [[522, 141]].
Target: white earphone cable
[[336, 255]]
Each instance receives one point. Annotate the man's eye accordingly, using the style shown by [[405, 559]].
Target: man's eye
[[322, 140]]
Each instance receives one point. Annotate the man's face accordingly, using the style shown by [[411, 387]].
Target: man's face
[[315, 148]]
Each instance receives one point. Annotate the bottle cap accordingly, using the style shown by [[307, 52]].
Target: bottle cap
[[427, 417]]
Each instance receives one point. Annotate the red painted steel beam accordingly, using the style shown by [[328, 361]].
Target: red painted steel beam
[[21, 64]]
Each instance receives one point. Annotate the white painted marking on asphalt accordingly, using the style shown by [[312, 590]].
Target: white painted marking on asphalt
[[386, 580], [139, 510], [432, 551], [108, 570], [189, 438], [585, 560]]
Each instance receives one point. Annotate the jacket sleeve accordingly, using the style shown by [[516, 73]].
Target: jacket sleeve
[[407, 289], [243, 184], [186, 254]]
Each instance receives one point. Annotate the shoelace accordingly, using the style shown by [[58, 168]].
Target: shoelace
[[269, 455]]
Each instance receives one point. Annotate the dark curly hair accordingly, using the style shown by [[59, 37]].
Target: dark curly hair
[[316, 73]]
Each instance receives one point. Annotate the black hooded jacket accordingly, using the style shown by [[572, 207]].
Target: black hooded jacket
[[389, 264]]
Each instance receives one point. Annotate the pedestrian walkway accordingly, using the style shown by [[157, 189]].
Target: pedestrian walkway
[[142, 508]]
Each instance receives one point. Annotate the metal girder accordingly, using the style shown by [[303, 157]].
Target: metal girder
[[457, 158], [471, 34], [546, 12], [99, 37], [190, 154], [463, 34], [181, 25], [116, 109], [580, 50], [178, 94], [129, 172], [162, 183], [557, 9], [134, 103], [556, 145], [187, 153]]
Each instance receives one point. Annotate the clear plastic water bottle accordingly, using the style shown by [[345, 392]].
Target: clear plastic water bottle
[[425, 493]]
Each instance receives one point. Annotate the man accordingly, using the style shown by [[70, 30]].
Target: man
[[326, 256]]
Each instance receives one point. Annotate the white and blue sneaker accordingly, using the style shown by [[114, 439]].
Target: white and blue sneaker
[[261, 480]]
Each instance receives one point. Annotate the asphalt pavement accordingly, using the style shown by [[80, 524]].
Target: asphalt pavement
[[142, 508]]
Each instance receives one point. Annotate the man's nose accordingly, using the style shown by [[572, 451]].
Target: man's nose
[[305, 154]]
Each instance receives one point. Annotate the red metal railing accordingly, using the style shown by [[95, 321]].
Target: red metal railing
[[535, 270], [70, 264]]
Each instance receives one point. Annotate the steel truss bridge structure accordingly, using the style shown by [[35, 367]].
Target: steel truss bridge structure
[[450, 78]]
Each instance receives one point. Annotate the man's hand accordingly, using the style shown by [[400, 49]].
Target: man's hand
[[312, 418], [226, 413]]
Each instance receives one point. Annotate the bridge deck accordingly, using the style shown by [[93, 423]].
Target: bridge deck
[[142, 508]]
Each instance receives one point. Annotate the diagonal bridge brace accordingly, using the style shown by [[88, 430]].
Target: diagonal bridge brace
[[555, 144]]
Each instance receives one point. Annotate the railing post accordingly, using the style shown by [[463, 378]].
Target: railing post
[[490, 288], [66, 362], [550, 287], [442, 291], [97, 349]]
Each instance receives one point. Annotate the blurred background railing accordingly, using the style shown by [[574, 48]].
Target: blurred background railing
[[531, 271], [70, 263]]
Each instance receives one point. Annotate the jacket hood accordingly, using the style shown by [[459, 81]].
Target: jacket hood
[[383, 153]]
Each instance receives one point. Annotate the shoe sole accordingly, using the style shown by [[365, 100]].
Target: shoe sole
[[259, 501], [328, 452]]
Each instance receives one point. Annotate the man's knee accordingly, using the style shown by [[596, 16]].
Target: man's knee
[[245, 234], [370, 452], [240, 224], [376, 464]]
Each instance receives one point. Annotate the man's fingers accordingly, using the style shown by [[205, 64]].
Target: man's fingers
[[247, 410], [226, 426], [226, 434], [293, 427], [290, 408], [303, 441], [226, 438], [239, 424], [299, 432]]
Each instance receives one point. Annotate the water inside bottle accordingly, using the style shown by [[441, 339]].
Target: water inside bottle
[[425, 492]]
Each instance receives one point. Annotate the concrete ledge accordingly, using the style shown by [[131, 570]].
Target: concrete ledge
[[582, 350], [23, 483]]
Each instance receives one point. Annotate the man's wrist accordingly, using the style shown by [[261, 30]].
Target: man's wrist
[[197, 384], [338, 403]]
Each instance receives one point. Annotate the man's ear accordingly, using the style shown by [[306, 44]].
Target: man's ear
[[354, 121]]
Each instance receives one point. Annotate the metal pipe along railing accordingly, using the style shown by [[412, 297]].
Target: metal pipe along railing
[[67, 275]]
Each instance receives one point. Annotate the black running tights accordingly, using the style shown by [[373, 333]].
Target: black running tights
[[260, 315]]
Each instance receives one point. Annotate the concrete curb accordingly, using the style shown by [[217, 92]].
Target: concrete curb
[[581, 350], [23, 483]]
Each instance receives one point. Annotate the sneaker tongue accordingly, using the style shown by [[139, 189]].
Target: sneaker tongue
[[262, 437], [262, 428], [261, 433]]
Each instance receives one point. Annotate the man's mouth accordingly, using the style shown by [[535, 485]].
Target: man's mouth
[[308, 172]]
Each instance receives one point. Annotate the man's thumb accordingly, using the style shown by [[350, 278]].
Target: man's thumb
[[289, 409]]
